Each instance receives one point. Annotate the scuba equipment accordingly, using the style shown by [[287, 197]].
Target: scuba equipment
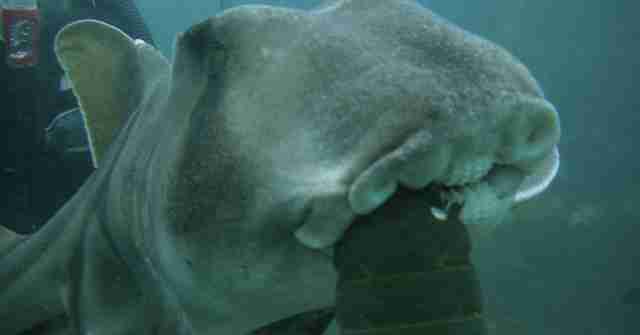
[[21, 32], [33, 93], [404, 272]]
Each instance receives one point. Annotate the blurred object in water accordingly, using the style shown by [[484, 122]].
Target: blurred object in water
[[632, 297], [585, 215]]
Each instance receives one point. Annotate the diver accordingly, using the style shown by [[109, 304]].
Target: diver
[[42, 166]]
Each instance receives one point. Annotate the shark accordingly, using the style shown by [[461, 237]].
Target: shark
[[225, 177]]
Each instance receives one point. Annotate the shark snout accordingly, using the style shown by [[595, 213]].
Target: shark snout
[[530, 132]]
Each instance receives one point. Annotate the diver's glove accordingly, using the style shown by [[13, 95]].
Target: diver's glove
[[67, 135]]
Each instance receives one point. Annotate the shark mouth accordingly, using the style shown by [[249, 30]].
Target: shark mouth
[[487, 195], [484, 191]]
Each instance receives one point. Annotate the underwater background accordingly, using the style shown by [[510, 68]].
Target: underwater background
[[569, 261]]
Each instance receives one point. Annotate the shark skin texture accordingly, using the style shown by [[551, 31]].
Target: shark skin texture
[[225, 177]]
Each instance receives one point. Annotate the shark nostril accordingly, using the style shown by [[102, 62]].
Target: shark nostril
[[531, 130], [538, 137], [534, 136]]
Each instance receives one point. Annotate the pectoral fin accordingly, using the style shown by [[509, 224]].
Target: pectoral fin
[[108, 72]]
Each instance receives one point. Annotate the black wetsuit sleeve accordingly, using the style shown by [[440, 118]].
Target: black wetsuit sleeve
[[125, 15]]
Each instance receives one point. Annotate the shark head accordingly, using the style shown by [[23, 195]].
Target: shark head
[[234, 169]]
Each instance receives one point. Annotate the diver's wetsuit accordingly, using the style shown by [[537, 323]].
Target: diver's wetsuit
[[34, 183]]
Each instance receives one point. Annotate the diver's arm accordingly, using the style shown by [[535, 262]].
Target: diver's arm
[[123, 14]]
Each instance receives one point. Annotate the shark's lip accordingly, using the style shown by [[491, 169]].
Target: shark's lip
[[538, 177]]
